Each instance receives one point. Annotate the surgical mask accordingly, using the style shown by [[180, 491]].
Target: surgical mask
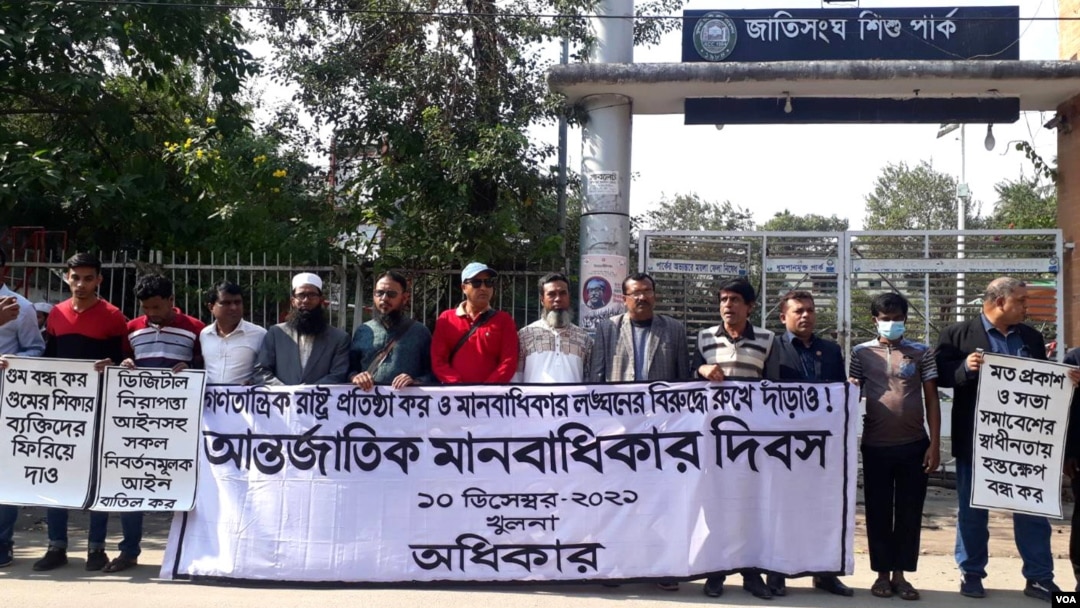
[[890, 330]]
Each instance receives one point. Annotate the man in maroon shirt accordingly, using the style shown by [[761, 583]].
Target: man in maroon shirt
[[474, 343]]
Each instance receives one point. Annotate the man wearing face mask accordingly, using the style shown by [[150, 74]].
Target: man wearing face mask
[[899, 380]]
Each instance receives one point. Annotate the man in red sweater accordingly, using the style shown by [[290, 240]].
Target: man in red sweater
[[474, 343]]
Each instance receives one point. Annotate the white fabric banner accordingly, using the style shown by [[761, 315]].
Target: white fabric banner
[[531, 482], [48, 420], [1021, 418], [150, 440]]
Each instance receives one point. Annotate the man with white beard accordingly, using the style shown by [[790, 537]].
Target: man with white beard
[[553, 350]]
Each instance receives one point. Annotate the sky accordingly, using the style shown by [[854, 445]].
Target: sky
[[822, 169]]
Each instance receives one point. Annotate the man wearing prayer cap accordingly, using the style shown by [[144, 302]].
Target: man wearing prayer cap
[[304, 349], [42, 309]]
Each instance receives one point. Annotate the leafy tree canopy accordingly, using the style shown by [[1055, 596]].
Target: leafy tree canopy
[[919, 198], [786, 221], [691, 212]]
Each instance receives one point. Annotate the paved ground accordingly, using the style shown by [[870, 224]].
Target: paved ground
[[72, 586]]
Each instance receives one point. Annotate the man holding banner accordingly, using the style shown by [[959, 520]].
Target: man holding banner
[[18, 337], [391, 349], [999, 329]]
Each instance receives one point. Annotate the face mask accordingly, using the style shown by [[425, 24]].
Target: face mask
[[890, 330]]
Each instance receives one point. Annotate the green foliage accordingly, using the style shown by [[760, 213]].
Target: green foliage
[[1043, 169], [691, 212], [915, 199], [1025, 203], [786, 221]]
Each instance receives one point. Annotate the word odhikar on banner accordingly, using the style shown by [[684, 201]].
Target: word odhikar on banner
[[480, 483]]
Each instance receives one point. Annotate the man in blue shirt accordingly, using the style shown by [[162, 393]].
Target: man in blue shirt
[[19, 336]]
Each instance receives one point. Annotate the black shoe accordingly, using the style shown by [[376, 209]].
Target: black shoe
[[756, 586], [714, 586], [54, 558], [6, 555], [833, 585], [1041, 590], [777, 584], [96, 560], [971, 586]]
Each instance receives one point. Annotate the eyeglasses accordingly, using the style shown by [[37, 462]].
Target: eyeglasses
[[478, 283], [381, 293], [306, 295], [644, 293]]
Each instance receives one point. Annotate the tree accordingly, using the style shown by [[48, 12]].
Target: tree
[[915, 199], [787, 222], [430, 109], [691, 212], [1024, 203]]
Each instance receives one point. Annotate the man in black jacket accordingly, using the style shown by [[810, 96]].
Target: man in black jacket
[[1072, 467], [799, 356], [999, 329]]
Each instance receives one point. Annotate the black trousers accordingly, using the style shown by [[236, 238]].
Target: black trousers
[[1074, 534], [894, 485]]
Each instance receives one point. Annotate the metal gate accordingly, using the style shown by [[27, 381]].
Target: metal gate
[[943, 274]]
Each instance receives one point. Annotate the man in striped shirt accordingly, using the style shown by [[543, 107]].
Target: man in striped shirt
[[163, 337], [734, 349]]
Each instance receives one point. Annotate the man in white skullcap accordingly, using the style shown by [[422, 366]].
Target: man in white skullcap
[[304, 349], [42, 309]]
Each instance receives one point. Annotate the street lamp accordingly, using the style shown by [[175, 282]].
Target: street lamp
[[963, 193]]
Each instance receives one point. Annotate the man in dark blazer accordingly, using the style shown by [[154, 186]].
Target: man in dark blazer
[[304, 349], [798, 355], [999, 329]]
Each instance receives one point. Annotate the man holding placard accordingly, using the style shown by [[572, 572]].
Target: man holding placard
[[999, 329]]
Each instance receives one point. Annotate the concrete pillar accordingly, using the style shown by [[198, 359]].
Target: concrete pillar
[[1068, 213], [605, 169]]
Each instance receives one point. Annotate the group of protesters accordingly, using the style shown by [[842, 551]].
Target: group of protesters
[[475, 343]]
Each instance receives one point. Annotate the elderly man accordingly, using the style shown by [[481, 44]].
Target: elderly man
[[734, 349], [595, 290], [474, 343], [230, 344], [799, 355], [18, 337], [999, 329], [304, 349], [553, 349], [391, 348]]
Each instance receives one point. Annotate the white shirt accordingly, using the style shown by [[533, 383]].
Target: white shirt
[[548, 355], [231, 359]]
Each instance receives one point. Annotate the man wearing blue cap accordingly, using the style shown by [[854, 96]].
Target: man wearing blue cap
[[474, 343]]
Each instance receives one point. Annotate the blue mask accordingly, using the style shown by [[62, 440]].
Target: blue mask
[[890, 330]]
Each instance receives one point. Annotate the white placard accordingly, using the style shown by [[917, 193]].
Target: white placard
[[604, 183], [1021, 418], [150, 440], [514, 483], [695, 267], [953, 265], [48, 422]]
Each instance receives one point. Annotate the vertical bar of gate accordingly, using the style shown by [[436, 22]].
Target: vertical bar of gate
[[1059, 304], [926, 290], [343, 313], [763, 288], [843, 294]]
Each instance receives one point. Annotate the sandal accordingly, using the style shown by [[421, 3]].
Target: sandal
[[881, 588], [120, 564], [906, 591]]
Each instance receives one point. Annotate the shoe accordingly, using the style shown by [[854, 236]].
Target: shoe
[[833, 585], [777, 584], [757, 587], [971, 586], [667, 586], [120, 564], [96, 560], [714, 586], [6, 555], [54, 558], [1041, 590]]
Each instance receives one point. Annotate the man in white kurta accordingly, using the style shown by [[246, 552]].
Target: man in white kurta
[[553, 350]]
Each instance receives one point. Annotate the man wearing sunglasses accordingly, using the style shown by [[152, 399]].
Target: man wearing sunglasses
[[391, 348], [474, 343], [304, 349]]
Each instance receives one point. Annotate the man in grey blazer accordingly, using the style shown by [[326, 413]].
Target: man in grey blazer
[[304, 349]]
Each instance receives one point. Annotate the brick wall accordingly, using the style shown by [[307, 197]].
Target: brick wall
[[1068, 213], [1069, 31]]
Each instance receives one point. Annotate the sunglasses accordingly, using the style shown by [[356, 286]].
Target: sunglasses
[[386, 294], [478, 283]]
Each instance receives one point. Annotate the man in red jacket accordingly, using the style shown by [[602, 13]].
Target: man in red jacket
[[474, 343]]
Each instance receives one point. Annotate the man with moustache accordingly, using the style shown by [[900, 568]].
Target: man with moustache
[[230, 344], [474, 343], [553, 349], [304, 349], [798, 355], [390, 349]]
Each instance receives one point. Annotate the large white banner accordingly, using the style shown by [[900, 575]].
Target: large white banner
[[623, 481], [1021, 418], [150, 440], [48, 422]]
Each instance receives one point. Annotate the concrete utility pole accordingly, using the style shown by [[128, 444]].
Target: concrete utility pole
[[605, 166]]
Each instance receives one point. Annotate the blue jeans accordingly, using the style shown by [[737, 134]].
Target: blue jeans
[[8, 516], [1031, 533], [57, 523], [132, 525]]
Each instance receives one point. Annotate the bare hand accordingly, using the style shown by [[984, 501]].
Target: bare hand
[[9, 309], [712, 373], [973, 362], [1074, 375], [854, 381], [932, 458], [128, 363], [179, 367], [402, 381], [364, 381], [100, 365], [3, 363]]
